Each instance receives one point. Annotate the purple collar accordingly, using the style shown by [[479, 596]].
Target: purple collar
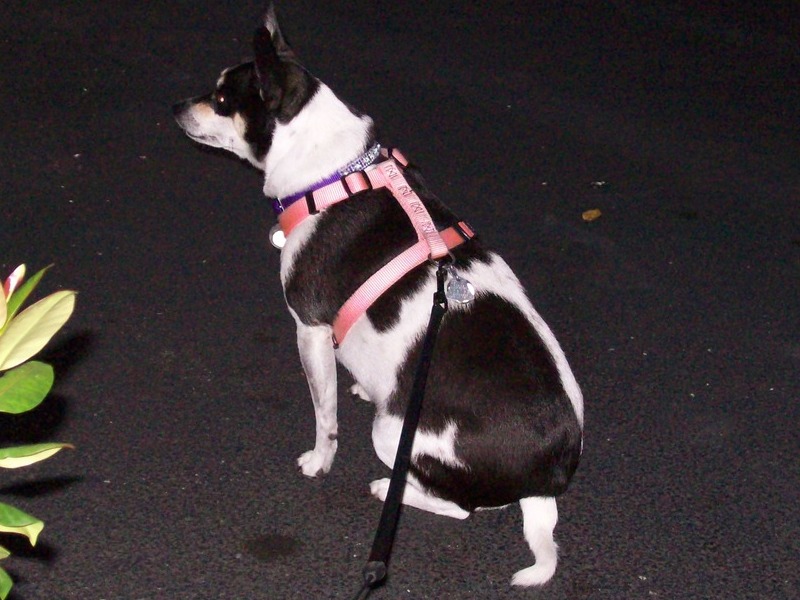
[[362, 162], [281, 204]]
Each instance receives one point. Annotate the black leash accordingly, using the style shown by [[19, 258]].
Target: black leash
[[375, 570]]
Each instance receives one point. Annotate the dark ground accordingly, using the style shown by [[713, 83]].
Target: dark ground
[[178, 380]]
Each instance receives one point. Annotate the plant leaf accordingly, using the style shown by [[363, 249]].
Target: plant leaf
[[22, 456], [24, 387], [5, 584], [28, 333], [3, 309], [13, 520], [4, 553], [19, 296]]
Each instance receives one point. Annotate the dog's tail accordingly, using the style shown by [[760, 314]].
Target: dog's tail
[[539, 518]]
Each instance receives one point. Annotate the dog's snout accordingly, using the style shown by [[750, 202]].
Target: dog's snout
[[179, 108]]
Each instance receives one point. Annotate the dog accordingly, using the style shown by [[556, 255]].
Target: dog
[[502, 420]]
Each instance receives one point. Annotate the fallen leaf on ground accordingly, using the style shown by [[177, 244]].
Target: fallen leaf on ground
[[591, 214]]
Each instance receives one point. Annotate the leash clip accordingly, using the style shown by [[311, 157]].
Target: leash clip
[[440, 297]]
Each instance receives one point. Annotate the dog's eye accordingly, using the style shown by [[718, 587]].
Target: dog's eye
[[221, 104]]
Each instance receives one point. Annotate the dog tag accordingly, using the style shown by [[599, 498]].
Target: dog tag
[[458, 289], [276, 237]]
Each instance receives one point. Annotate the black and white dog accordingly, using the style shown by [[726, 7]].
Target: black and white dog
[[503, 415]]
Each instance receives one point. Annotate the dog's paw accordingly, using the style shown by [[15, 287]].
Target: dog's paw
[[379, 488], [357, 390], [315, 463]]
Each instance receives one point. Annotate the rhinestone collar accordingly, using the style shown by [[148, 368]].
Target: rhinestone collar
[[359, 164]]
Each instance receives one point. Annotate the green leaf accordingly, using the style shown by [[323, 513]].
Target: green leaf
[[3, 308], [13, 520], [29, 331], [5, 584], [24, 387], [21, 294], [22, 456]]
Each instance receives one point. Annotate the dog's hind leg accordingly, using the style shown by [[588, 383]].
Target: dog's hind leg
[[414, 495], [539, 518], [319, 364], [386, 431]]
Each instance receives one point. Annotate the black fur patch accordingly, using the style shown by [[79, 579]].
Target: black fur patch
[[517, 430]]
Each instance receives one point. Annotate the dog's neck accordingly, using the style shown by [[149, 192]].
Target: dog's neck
[[325, 136]]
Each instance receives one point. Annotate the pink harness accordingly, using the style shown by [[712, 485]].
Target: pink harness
[[431, 244]]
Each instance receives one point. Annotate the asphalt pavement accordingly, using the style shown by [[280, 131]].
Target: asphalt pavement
[[178, 380]]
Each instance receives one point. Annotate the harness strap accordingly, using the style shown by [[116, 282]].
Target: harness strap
[[431, 244], [321, 198], [374, 287], [415, 209]]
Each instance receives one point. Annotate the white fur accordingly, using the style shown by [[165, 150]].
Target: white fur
[[322, 138], [221, 78], [333, 135], [319, 364], [360, 392], [414, 495], [373, 357], [386, 436], [205, 126], [539, 516]]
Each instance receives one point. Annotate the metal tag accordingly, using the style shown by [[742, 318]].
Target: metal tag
[[276, 237], [458, 289]]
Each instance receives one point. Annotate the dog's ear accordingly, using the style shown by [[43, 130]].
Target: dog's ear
[[278, 41], [283, 82], [270, 69]]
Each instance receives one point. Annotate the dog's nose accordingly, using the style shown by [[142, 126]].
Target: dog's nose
[[179, 108]]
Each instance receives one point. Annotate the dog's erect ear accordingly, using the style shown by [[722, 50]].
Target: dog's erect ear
[[282, 80], [270, 69], [278, 41]]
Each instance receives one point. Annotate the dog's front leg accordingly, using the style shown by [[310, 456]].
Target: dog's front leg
[[319, 364]]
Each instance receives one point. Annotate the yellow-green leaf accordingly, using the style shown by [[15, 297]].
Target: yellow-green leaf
[[5, 584], [22, 456], [25, 386], [3, 308], [13, 520], [28, 332]]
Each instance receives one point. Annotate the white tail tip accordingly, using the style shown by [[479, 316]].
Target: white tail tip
[[539, 516], [538, 574]]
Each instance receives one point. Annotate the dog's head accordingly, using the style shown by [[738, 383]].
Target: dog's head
[[250, 99], [276, 115]]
